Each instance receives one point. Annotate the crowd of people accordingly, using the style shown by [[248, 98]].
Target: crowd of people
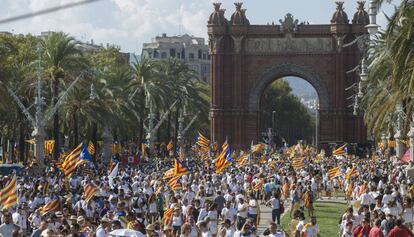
[[153, 200]]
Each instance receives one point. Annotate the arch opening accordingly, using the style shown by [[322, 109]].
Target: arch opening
[[289, 111], [295, 72]]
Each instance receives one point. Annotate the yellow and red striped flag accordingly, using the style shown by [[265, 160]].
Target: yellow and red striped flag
[[334, 172], [8, 195], [170, 146], [224, 159], [51, 206], [72, 161], [168, 174], [168, 214], [49, 146], [258, 185], [297, 163], [203, 142], [174, 184], [91, 148], [352, 172], [243, 160], [89, 191], [179, 168]]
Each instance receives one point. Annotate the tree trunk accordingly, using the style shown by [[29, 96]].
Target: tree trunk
[[22, 143], [177, 114], [56, 118], [75, 128], [169, 128], [94, 139]]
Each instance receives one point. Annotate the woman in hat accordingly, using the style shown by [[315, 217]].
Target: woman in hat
[[177, 221]]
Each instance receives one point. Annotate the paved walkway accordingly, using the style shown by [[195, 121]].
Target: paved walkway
[[266, 212]]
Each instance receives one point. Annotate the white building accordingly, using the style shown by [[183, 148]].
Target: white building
[[192, 50]]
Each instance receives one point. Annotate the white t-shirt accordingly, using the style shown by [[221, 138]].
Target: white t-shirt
[[253, 207], [101, 232], [229, 213], [206, 234], [312, 231], [240, 212]]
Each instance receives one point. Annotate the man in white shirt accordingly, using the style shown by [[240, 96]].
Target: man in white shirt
[[366, 199], [102, 230], [7, 228], [227, 229], [229, 213], [20, 220], [241, 213]]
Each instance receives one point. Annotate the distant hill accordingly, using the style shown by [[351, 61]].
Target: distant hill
[[302, 88]]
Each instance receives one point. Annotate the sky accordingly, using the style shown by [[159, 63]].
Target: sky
[[130, 23]]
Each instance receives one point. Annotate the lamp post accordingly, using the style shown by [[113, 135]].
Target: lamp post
[[372, 27], [273, 120], [316, 123]]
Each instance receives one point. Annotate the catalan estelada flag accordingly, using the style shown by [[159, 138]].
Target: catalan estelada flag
[[77, 157], [8, 195], [203, 142], [174, 183], [89, 191], [168, 174], [341, 151], [224, 159], [334, 172], [179, 168], [49, 146], [51, 206], [91, 148]]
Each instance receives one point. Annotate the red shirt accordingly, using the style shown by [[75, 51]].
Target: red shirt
[[361, 231], [375, 232], [400, 232]]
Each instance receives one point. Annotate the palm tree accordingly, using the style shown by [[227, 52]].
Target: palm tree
[[61, 58], [391, 77]]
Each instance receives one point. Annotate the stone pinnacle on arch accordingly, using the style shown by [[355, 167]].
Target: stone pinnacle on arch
[[339, 17], [361, 16], [217, 17], [239, 16]]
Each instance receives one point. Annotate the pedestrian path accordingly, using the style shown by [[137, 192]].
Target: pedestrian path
[[266, 212]]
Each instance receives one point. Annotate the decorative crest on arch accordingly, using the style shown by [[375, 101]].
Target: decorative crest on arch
[[340, 16], [289, 24]]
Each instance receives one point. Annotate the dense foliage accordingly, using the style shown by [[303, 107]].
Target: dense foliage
[[292, 119], [391, 73], [123, 92]]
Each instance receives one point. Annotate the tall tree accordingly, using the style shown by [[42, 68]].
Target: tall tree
[[61, 61]]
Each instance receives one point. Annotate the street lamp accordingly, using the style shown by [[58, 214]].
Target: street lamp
[[364, 70], [372, 27], [316, 123], [273, 119]]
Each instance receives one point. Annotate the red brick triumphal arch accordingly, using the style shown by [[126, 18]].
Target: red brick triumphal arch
[[246, 58]]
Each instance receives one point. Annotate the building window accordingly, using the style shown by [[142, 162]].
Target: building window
[[178, 55], [156, 54], [163, 55], [208, 57], [191, 56], [183, 54], [172, 53], [200, 54], [204, 56]]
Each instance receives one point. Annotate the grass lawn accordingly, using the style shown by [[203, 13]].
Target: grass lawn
[[327, 214]]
